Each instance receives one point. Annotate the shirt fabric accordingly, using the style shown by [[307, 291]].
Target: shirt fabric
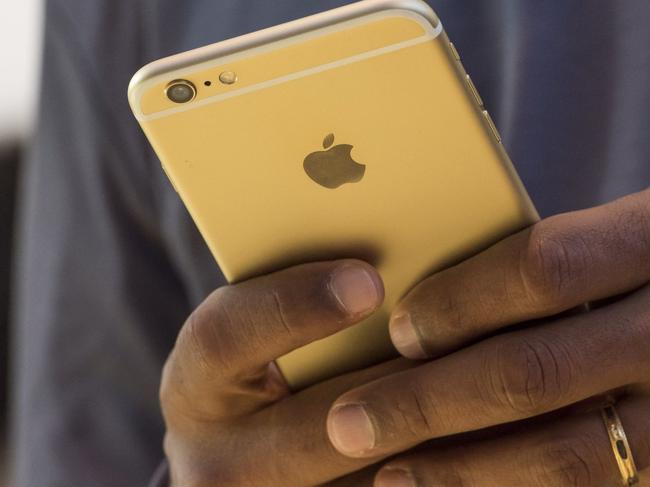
[[110, 263]]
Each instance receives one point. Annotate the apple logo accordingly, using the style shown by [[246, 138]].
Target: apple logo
[[334, 166]]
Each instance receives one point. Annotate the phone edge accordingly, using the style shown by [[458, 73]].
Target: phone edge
[[273, 34]]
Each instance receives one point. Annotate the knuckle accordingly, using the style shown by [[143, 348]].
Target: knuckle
[[529, 376], [441, 299], [266, 315], [281, 311], [632, 231], [551, 263], [282, 317], [418, 413], [453, 478], [435, 301], [571, 463], [204, 338], [634, 328], [278, 313]]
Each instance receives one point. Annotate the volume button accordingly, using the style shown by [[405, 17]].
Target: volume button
[[474, 91], [492, 126], [454, 51]]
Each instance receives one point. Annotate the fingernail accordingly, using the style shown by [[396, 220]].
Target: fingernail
[[405, 338], [394, 477], [351, 430], [355, 289]]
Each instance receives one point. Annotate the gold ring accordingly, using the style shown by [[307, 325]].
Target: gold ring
[[620, 446]]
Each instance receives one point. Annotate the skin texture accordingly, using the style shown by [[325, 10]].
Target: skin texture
[[503, 389]]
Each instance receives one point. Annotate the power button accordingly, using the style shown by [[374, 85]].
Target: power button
[[474, 91], [492, 126]]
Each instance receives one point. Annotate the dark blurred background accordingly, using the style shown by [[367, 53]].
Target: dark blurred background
[[9, 157], [20, 39]]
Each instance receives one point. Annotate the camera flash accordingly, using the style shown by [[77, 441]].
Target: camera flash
[[228, 77]]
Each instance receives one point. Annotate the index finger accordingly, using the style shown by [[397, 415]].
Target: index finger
[[228, 342], [558, 264]]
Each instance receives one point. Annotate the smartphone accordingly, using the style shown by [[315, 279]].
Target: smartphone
[[351, 133]]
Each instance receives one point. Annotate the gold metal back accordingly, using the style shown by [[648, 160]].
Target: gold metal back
[[437, 184]]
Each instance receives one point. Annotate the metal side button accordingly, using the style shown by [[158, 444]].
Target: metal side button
[[492, 126], [454, 51], [474, 91]]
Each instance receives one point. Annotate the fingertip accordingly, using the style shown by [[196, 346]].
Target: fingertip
[[374, 274], [405, 337], [394, 477], [357, 287], [350, 430]]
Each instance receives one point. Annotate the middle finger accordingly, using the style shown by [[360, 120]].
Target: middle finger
[[504, 379]]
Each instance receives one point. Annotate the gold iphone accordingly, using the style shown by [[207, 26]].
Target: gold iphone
[[351, 133]]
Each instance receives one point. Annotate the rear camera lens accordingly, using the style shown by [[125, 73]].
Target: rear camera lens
[[180, 91]]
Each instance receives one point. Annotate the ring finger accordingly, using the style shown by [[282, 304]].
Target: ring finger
[[572, 452]]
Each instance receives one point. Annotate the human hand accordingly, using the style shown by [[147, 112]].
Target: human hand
[[587, 256], [230, 420]]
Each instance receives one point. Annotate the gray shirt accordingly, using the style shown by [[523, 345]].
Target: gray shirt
[[110, 264]]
